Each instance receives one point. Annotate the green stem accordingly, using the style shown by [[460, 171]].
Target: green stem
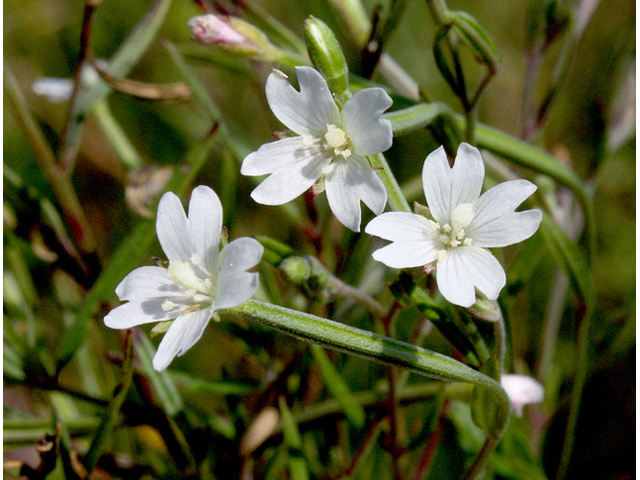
[[110, 417], [397, 201], [118, 138], [481, 459], [61, 184], [438, 10], [291, 59], [576, 395]]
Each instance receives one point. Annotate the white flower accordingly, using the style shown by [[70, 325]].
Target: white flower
[[464, 226], [199, 279], [332, 143], [522, 390]]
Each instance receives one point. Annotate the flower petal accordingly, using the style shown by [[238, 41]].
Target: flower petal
[[307, 112], [415, 241], [134, 313], [148, 283], [401, 226], [369, 134], [445, 188], [287, 183], [235, 284], [464, 268], [406, 254], [350, 181], [278, 155], [182, 334], [496, 224], [205, 222], [522, 390], [172, 228]]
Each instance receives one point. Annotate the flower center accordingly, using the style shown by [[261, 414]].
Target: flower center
[[338, 141], [452, 235], [198, 290]]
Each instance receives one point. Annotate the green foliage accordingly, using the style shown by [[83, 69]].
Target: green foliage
[[250, 399]]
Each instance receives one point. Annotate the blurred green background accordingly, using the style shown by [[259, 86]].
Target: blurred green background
[[227, 379]]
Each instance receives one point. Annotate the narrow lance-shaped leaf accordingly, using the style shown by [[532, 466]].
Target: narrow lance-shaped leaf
[[372, 347]]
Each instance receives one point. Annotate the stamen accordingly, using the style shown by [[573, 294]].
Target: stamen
[[190, 309], [167, 305], [195, 259]]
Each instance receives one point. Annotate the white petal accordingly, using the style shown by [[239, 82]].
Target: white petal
[[445, 188], [182, 334], [522, 390], [205, 222], [235, 284], [148, 282], [415, 242], [406, 254], [307, 112], [464, 268], [287, 183], [350, 181], [277, 155], [401, 226], [496, 224], [172, 228], [135, 313], [369, 134]]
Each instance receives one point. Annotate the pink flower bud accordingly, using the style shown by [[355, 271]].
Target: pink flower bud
[[210, 29]]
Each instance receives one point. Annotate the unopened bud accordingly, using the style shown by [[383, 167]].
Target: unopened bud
[[326, 54], [233, 35], [211, 29]]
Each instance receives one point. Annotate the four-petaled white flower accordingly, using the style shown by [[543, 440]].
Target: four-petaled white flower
[[199, 279], [522, 390], [463, 227], [331, 143]]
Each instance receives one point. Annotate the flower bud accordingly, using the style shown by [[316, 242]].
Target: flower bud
[[233, 35], [326, 54]]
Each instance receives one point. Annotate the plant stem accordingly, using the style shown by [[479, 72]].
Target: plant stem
[[481, 459], [61, 185], [576, 394], [397, 201]]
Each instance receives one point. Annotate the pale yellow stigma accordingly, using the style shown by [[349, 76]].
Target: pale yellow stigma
[[337, 140]]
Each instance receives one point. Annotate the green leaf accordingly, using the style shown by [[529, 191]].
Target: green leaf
[[371, 346], [297, 464], [405, 287], [572, 260], [416, 117], [125, 259], [469, 29], [339, 388], [484, 407]]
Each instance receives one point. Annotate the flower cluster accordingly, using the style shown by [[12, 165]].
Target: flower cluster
[[329, 151]]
